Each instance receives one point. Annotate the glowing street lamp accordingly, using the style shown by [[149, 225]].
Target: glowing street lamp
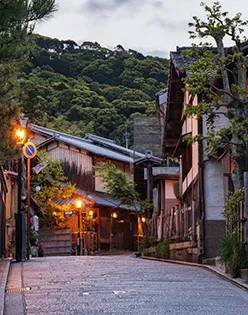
[[20, 135], [113, 215], [21, 138], [143, 219], [79, 205]]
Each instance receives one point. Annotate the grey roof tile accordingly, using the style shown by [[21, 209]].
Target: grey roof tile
[[89, 145]]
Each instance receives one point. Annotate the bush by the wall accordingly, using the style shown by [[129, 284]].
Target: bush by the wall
[[163, 249], [147, 242], [232, 253]]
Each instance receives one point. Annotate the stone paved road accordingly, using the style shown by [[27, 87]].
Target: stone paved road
[[119, 285]]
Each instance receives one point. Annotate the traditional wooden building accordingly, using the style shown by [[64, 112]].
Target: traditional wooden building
[[78, 156], [160, 177], [3, 192], [197, 220], [11, 209]]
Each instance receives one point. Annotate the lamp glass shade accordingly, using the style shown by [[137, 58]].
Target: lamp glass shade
[[79, 204]]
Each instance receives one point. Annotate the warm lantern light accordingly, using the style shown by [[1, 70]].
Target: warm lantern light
[[91, 212], [79, 204], [114, 215], [143, 219], [20, 135]]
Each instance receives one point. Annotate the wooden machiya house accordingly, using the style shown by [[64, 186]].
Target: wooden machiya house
[[203, 181], [3, 192], [78, 157]]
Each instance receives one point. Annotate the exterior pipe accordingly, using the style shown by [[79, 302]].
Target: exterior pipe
[[201, 192]]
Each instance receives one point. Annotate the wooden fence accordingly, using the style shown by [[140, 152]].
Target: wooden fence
[[56, 242]]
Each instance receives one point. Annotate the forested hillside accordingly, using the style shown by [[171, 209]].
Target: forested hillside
[[89, 88]]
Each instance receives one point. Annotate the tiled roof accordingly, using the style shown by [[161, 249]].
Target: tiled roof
[[112, 145], [107, 148], [180, 60], [99, 199]]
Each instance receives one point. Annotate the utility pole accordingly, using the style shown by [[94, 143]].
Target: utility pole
[[126, 137], [20, 219]]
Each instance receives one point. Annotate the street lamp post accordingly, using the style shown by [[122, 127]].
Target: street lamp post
[[19, 216], [113, 215], [79, 207], [20, 219], [29, 151]]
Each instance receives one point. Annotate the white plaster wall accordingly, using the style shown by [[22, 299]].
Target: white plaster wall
[[214, 196]]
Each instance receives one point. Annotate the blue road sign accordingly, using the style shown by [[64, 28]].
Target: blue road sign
[[29, 150]]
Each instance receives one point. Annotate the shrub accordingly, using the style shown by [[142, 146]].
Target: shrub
[[163, 249], [232, 254], [147, 242], [40, 249], [33, 238]]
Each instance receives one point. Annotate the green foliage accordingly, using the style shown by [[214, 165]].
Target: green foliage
[[89, 223], [234, 202], [146, 205], [163, 249], [12, 244], [117, 183], [17, 22], [89, 86], [40, 249], [232, 253], [219, 76], [52, 190], [146, 242], [33, 238]]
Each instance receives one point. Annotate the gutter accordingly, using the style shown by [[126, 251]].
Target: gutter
[[201, 192]]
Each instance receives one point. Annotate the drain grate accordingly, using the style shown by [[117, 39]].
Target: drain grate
[[18, 290]]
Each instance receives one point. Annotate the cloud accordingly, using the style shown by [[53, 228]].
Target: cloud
[[97, 6], [157, 4], [167, 24], [154, 53]]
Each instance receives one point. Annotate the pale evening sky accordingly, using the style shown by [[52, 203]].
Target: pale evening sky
[[152, 27]]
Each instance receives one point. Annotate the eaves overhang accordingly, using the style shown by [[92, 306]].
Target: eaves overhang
[[82, 143]]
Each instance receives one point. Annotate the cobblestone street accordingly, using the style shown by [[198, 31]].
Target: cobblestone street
[[118, 285]]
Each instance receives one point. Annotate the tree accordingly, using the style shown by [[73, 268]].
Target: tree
[[17, 21], [117, 184], [52, 191], [219, 76], [119, 187], [83, 85]]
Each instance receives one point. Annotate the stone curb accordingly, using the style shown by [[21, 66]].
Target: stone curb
[[4, 271], [237, 281]]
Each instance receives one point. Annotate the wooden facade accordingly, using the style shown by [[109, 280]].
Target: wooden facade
[[78, 157], [3, 192], [195, 223]]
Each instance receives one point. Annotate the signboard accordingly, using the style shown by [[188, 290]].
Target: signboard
[[70, 213], [29, 150]]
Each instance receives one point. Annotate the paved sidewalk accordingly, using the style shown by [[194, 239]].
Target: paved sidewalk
[[236, 281], [4, 271]]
